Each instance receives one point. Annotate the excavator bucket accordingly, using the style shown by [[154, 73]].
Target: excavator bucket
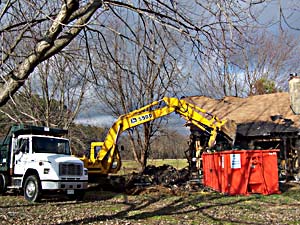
[[228, 130]]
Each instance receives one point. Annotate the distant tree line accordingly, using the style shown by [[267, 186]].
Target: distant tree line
[[170, 144]]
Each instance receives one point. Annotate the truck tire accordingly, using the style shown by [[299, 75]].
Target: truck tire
[[32, 188], [3, 184]]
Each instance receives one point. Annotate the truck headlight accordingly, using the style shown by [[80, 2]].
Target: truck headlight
[[85, 172], [46, 170]]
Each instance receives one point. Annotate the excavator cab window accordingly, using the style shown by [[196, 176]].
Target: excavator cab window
[[97, 149]]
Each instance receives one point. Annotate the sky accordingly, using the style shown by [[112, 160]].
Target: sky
[[288, 20], [95, 117], [269, 14]]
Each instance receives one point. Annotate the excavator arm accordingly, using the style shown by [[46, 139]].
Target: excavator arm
[[107, 160]]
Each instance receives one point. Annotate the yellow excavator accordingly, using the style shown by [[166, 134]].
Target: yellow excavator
[[104, 157]]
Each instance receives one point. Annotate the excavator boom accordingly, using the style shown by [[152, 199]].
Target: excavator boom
[[107, 159]]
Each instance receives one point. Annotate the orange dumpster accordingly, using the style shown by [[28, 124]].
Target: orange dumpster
[[241, 172]]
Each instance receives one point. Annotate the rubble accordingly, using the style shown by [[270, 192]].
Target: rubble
[[162, 179], [165, 175]]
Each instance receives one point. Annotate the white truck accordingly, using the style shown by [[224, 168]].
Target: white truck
[[38, 160]]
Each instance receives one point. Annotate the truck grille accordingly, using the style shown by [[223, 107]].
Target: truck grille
[[73, 169]]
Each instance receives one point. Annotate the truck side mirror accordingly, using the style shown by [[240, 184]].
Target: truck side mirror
[[17, 151]]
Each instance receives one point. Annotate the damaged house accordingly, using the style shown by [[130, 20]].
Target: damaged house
[[269, 121]]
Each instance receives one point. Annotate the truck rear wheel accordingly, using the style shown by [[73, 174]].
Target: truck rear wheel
[[3, 183], [32, 188]]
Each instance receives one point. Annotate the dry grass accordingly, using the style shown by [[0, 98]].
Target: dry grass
[[156, 207], [129, 166]]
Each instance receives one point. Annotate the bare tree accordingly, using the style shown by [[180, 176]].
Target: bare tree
[[53, 95], [51, 25], [46, 26], [270, 58], [169, 144], [260, 55], [132, 76], [277, 14]]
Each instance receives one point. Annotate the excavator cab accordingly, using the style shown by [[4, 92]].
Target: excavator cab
[[98, 167]]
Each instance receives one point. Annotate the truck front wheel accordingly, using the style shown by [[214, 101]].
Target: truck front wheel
[[32, 188], [3, 183]]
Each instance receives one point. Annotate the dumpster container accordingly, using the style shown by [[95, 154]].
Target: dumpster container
[[211, 171], [241, 172]]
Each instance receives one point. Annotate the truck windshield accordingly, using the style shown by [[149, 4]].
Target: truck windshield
[[50, 145]]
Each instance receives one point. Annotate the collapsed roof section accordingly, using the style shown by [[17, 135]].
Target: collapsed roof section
[[259, 115], [261, 128]]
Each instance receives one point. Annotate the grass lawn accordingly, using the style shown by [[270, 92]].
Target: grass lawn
[[156, 208], [129, 166]]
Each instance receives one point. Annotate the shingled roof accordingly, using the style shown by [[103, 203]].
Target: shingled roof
[[259, 109]]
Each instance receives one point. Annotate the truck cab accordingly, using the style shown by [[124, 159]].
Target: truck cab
[[38, 159]]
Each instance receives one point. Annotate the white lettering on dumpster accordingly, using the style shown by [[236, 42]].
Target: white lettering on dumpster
[[235, 161]]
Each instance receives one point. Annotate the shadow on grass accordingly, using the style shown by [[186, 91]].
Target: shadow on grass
[[17, 200], [149, 207], [181, 206], [291, 190]]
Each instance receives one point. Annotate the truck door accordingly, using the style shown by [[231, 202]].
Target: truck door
[[21, 155]]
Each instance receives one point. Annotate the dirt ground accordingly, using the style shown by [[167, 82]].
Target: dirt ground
[[144, 201]]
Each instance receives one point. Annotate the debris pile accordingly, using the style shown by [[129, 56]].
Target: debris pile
[[166, 175], [157, 178], [160, 179]]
